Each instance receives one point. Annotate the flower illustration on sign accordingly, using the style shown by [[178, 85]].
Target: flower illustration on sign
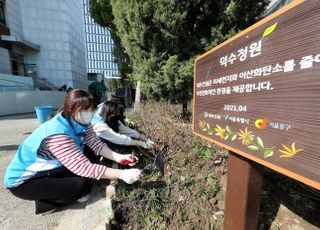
[[220, 131], [202, 125], [289, 152], [252, 142], [246, 136]]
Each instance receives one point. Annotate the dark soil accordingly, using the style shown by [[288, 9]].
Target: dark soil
[[187, 196], [191, 194]]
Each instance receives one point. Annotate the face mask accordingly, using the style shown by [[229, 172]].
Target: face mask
[[84, 117]]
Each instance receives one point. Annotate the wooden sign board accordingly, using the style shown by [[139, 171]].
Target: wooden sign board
[[258, 93]]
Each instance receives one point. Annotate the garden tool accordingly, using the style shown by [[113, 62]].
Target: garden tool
[[157, 165], [147, 154]]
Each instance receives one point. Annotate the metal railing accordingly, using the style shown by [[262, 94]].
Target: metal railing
[[44, 84], [38, 83]]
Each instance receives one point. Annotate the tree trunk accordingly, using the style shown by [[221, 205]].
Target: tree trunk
[[185, 110], [138, 96], [127, 94]]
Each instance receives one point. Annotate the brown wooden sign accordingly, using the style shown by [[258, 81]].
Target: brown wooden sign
[[258, 94]]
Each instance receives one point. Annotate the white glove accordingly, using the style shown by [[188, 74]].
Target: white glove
[[130, 175], [143, 144], [149, 143], [140, 143]]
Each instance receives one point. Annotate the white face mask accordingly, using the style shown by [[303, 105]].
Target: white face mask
[[84, 117]]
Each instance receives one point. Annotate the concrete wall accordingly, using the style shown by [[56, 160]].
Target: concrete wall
[[13, 18], [24, 102], [5, 65], [10, 82]]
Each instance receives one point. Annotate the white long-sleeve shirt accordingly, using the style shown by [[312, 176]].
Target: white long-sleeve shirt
[[124, 137]]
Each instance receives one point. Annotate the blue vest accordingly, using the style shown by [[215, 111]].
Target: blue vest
[[97, 117], [27, 163]]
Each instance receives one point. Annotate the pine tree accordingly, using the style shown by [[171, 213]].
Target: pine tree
[[161, 38]]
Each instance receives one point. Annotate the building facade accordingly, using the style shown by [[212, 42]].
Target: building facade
[[99, 44], [44, 39], [274, 5]]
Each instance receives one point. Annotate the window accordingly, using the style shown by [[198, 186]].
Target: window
[[2, 16]]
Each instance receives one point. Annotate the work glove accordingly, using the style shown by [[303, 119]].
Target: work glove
[[130, 175], [140, 143], [149, 143], [126, 159]]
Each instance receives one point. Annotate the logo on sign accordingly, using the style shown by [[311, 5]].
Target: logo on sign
[[261, 123]]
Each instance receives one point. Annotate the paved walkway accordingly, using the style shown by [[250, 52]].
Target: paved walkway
[[19, 214]]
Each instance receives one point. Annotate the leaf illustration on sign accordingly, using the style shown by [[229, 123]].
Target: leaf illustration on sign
[[260, 142], [252, 142], [230, 133], [253, 147], [269, 30], [268, 152], [289, 152]]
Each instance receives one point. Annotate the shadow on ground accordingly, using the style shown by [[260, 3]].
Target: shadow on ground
[[279, 190], [97, 193], [18, 116], [9, 147]]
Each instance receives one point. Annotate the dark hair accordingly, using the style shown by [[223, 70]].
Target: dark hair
[[110, 111], [121, 109], [76, 100]]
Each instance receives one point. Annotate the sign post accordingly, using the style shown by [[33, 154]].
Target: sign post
[[243, 193], [258, 95]]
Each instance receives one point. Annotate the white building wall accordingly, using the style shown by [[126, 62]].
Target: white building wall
[[56, 25]]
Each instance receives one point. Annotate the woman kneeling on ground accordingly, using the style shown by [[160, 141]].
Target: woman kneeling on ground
[[50, 167], [108, 125]]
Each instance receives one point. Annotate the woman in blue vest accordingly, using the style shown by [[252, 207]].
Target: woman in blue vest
[[50, 167]]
